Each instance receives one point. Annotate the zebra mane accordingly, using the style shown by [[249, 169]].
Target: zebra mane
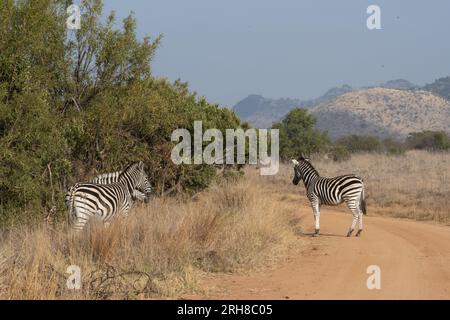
[[132, 166], [106, 178], [305, 163]]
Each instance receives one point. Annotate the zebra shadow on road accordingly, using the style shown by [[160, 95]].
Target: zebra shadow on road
[[310, 234]]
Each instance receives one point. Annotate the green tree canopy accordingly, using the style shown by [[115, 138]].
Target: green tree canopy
[[298, 135]]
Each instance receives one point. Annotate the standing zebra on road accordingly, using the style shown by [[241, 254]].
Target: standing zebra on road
[[104, 201], [112, 177], [331, 191]]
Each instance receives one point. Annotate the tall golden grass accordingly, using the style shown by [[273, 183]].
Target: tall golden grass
[[159, 250], [163, 249]]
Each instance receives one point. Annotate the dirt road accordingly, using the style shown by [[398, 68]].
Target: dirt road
[[414, 259]]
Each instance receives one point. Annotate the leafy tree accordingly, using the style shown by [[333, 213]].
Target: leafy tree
[[298, 135]]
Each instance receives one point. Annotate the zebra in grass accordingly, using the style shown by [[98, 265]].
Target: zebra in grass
[[112, 177], [85, 200], [331, 191]]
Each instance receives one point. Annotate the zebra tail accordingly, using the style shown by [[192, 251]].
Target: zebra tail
[[362, 203], [70, 202]]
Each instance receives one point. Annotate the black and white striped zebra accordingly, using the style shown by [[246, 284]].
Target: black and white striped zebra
[[112, 177], [331, 191], [104, 201]]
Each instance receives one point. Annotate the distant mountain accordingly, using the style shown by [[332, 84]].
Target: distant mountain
[[329, 95], [383, 112], [400, 84], [261, 112], [441, 87], [391, 109]]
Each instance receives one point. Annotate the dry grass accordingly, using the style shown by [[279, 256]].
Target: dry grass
[[415, 185], [162, 249], [158, 251]]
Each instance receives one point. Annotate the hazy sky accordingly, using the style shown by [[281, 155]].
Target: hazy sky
[[227, 49]]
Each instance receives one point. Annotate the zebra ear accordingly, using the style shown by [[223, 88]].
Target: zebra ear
[[141, 165], [295, 162], [302, 158]]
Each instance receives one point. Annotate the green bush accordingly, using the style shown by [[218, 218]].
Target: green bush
[[362, 143], [393, 147], [73, 104], [340, 153], [357, 143], [429, 140]]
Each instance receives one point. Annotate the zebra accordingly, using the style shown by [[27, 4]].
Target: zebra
[[112, 177], [85, 200], [331, 191]]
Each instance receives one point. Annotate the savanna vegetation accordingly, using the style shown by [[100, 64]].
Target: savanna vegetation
[[78, 102], [160, 250], [75, 103], [299, 136]]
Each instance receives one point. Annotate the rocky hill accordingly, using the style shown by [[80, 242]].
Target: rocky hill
[[383, 112], [261, 112], [391, 109]]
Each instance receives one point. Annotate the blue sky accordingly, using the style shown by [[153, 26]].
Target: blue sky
[[228, 49]]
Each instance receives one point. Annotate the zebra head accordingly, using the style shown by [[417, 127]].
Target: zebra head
[[136, 178], [298, 172]]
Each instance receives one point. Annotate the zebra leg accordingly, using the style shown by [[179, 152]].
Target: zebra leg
[[316, 211], [76, 218], [360, 224], [355, 213], [80, 221]]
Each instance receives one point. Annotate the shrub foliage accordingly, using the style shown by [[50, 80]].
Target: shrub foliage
[[74, 103]]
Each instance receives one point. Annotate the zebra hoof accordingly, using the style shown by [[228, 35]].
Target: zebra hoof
[[358, 233], [316, 233], [349, 233]]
